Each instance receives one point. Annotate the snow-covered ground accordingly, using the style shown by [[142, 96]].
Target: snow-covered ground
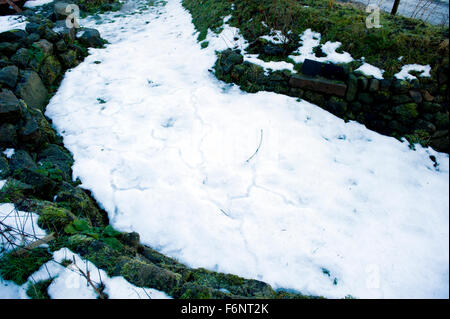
[[258, 185], [433, 11], [12, 22]]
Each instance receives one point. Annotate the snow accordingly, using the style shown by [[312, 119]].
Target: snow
[[309, 40], [2, 183], [36, 3], [370, 70], [70, 284], [12, 22], [276, 37], [405, 75], [9, 152], [24, 222], [166, 156]]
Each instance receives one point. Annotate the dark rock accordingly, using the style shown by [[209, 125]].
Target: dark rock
[[336, 106], [68, 34], [4, 167], [8, 136], [311, 67], [61, 10], [45, 46], [31, 133], [32, 38], [432, 108], [365, 98], [352, 88], [8, 48], [416, 96], [42, 185], [145, 274], [10, 110], [131, 239], [69, 59], [58, 156], [51, 35], [227, 60], [426, 126], [374, 85], [32, 27], [90, 37], [385, 84], [382, 96], [31, 89], [21, 58], [13, 36], [442, 120], [61, 46], [273, 50], [50, 70], [400, 86], [315, 98], [8, 76], [79, 202], [20, 160], [440, 141], [401, 99], [333, 71], [407, 112], [363, 83], [318, 85]]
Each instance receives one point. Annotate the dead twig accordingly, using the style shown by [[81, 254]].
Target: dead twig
[[257, 150]]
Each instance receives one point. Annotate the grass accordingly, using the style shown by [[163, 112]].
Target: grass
[[417, 41], [18, 268]]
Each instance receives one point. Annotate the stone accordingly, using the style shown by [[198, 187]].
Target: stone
[[31, 89], [427, 96], [382, 96], [352, 88], [131, 239], [228, 59], [400, 86], [365, 98], [311, 67], [32, 27], [363, 83], [318, 85], [385, 84], [50, 70], [440, 141], [90, 37], [9, 75], [34, 37], [336, 106], [426, 126], [416, 96], [61, 10], [21, 58], [374, 85], [8, 48], [144, 274], [15, 35], [10, 110], [45, 46], [59, 157], [315, 98], [61, 46], [51, 35], [69, 59], [68, 34], [31, 133], [401, 99], [442, 120], [20, 160], [432, 108], [4, 167], [8, 136], [273, 50], [333, 71], [407, 112]]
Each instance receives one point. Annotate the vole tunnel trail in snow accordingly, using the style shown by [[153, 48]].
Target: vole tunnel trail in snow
[[166, 156]]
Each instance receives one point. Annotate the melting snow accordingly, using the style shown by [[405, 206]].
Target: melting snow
[[404, 74], [319, 193], [371, 70]]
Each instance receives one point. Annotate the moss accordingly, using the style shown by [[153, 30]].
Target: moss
[[54, 218], [18, 268], [38, 290], [13, 191], [399, 36]]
